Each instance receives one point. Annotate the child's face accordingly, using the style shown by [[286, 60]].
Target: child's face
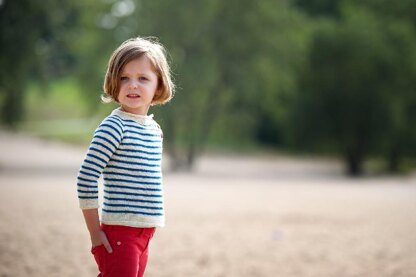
[[138, 86]]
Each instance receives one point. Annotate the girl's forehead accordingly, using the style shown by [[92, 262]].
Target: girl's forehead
[[140, 64]]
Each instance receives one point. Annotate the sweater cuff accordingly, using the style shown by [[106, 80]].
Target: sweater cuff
[[85, 204]]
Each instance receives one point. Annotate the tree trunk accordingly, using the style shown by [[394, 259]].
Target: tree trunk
[[12, 109], [394, 160], [354, 163], [190, 157]]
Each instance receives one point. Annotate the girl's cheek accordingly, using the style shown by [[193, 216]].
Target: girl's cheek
[[123, 85]]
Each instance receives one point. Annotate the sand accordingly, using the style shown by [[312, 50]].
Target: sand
[[234, 216]]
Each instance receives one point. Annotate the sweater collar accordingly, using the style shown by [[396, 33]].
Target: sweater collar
[[142, 119]]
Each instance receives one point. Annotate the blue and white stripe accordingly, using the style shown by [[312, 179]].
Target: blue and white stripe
[[127, 151]]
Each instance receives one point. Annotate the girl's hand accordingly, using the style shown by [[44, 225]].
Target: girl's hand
[[97, 235], [99, 238]]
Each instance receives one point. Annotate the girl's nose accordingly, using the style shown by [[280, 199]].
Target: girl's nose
[[134, 84]]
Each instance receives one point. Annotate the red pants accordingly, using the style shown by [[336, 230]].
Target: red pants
[[130, 251]]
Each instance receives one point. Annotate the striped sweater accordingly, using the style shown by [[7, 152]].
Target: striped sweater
[[127, 150]]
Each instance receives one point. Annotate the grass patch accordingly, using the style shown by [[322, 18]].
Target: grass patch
[[59, 99], [61, 111]]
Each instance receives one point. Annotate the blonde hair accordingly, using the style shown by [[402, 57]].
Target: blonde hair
[[129, 50]]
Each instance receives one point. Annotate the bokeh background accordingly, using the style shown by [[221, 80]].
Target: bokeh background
[[289, 146]]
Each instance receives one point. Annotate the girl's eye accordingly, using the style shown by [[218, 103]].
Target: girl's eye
[[142, 78], [123, 78]]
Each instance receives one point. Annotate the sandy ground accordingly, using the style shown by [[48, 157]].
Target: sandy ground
[[234, 216]]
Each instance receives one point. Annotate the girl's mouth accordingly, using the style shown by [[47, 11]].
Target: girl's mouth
[[133, 95]]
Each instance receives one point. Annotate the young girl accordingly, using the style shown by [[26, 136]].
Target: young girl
[[127, 150]]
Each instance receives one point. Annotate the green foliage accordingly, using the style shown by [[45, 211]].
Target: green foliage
[[234, 63], [58, 110], [55, 100], [31, 48], [330, 8], [356, 91], [326, 76]]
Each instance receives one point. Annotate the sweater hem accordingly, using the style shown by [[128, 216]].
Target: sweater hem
[[134, 224]]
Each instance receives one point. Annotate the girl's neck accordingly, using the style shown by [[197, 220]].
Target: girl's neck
[[142, 119], [140, 112]]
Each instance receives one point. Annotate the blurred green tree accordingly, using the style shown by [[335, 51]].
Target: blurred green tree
[[32, 46], [234, 62], [355, 92], [316, 8], [399, 24], [398, 84], [335, 76]]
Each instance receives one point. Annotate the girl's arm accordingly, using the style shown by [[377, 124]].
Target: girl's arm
[[106, 139], [97, 235]]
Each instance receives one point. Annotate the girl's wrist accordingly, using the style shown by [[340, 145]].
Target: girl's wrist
[[92, 220], [95, 231]]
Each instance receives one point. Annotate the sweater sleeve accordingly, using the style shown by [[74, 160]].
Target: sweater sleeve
[[107, 138]]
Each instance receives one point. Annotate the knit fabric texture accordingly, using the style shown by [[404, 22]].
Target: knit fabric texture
[[127, 150]]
